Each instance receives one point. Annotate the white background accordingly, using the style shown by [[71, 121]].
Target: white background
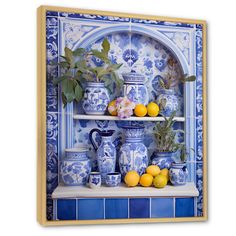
[[18, 115]]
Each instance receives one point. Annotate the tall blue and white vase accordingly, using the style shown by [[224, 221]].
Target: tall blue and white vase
[[162, 159], [96, 98], [133, 153], [178, 173], [168, 101], [105, 153], [134, 88], [75, 167]]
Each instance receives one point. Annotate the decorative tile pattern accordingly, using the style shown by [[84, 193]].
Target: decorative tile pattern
[[162, 207], [139, 207], [116, 208], [90, 209], [143, 54]]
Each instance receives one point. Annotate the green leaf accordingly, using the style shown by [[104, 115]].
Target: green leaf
[[100, 55], [105, 46], [79, 51], [64, 100], [114, 67], [78, 92], [64, 64], [67, 86], [190, 78], [60, 79], [68, 55]]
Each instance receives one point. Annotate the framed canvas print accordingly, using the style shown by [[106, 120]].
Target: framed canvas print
[[121, 118]]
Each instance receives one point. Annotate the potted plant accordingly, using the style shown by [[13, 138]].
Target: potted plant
[[167, 98], [77, 72], [166, 142]]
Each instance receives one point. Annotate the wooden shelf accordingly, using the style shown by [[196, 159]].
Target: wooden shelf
[[188, 190], [132, 118]]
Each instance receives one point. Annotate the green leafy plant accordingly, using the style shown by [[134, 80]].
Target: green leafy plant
[[166, 137], [76, 68], [169, 79]]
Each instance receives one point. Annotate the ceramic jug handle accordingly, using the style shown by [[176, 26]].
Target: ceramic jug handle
[[91, 138]]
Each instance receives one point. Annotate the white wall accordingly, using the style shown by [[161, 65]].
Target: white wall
[[18, 115]]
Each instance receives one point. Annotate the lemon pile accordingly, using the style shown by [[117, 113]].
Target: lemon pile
[[153, 176]]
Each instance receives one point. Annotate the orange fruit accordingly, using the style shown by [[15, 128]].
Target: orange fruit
[[152, 109], [146, 180], [132, 178], [112, 108], [160, 181], [140, 110], [153, 170]]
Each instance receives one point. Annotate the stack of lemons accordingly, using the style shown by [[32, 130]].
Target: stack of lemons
[[153, 176]]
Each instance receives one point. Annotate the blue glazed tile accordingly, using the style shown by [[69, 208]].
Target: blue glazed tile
[[116, 208], [139, 208], [66, 209], [51, 13], [90, 209], [51, 21], [184, 207], [162, 207]]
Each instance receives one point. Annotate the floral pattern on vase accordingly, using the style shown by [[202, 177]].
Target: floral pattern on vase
[[75, 167], [133, 153], [168, 102], [94, 180], [162, 159], [178, 173], [96, 98], [105, 153], [134, 88], [113, 179]]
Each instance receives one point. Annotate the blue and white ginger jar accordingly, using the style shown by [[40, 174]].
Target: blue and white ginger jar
[[178, 173], [96, 98], [133, 153], [75, 167], [168, 101], [134, 88]]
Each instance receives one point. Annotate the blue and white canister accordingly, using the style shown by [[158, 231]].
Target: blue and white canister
[[134, 88], [162, 159], [75, 167], [178, 173], [96, 98], [95, 180]]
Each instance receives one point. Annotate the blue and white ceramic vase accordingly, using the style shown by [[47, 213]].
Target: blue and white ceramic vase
[[133, 153], [75, 167], [168, 101], [105, 153], [178, 173], [134, 88], [162, 159], [96, 98]]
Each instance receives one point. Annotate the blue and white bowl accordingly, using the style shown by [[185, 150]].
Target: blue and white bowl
[[113, 179], [95, 180]]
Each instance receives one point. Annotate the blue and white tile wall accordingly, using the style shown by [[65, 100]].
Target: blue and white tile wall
[[143, 46]]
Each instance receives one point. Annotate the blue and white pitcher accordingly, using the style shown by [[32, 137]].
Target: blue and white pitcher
[[106, 152]]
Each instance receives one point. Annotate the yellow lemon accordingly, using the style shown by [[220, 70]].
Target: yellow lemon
[[160, 181], [132, 178], [153, 170], [165, 172], [112, 108], [153, 109], [146, 180], [140, 110]]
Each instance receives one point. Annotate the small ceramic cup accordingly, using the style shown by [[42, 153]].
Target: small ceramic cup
[[113, 179], [95, 180]]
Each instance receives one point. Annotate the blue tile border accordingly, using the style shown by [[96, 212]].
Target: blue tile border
[[66, 209], [162, 207], [90, 209], [139, 208], [116, 208], [184, 207]]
